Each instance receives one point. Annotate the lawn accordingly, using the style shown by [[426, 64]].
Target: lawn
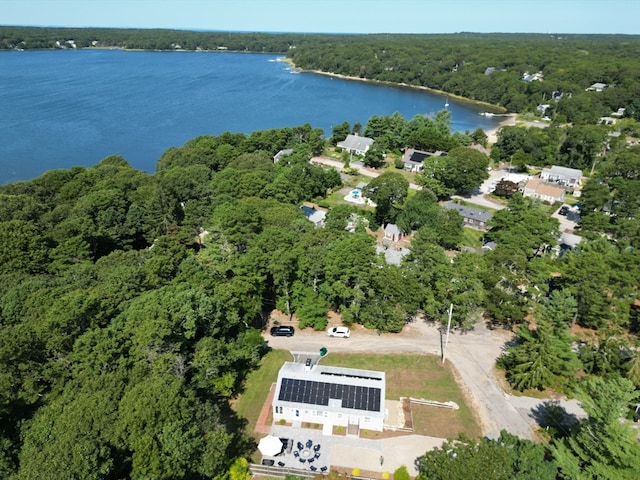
[[257, 385], [472, 238], [419, 376]]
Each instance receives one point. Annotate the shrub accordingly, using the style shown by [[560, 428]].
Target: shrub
[[401, 474]]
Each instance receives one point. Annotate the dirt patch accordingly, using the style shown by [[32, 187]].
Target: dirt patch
[[439, 422], [373, 435], [406, 410]]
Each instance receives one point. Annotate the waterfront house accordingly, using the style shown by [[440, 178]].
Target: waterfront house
[[355, 144], [282, 153]]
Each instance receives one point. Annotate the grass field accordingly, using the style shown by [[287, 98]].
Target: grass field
[[249, 404], [472, 238], [419, 376]]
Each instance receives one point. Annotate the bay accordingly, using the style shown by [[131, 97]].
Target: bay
[[60, 109]]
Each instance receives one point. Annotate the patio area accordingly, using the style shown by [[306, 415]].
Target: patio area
[[300, 454]]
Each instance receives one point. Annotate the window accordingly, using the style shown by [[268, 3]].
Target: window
[[279, 410], [297, 413]]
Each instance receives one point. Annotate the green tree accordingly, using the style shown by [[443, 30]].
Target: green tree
[[506, 457], [543, 356], [602, 446], [388, 191]]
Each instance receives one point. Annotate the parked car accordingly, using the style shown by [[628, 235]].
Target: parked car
[[563, 210], [343, 332], [282, 331]]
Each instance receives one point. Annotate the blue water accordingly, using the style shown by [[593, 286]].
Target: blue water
[[64, 108]]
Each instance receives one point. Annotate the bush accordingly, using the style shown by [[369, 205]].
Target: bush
[[401, 474], [398, 163]]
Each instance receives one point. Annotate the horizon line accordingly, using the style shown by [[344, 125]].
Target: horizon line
[[205, 30]]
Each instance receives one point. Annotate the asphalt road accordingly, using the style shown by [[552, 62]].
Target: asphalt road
[[472, 354]]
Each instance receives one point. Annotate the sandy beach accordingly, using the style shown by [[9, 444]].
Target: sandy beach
[[492, 134]]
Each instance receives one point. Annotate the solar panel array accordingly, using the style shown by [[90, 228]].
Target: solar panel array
[[319, 393]]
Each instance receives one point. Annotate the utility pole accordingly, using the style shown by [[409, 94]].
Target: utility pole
[[446, 342]]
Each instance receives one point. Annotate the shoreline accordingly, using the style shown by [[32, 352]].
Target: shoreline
[[492, 133], [493, 108]]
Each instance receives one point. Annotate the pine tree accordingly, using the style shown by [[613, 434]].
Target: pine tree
[[604, 445], [543, 356]]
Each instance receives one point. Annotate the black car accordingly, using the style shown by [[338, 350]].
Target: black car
[[282, 331], [563, 210]]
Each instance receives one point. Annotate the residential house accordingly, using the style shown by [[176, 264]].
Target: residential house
[[315, 216], [563, 176], [330, 396], [597, 87], [618, 113], [282, 153], [537, 189], [471, 217], [490, 70], [557, 96], [355, 144], [542, 109], [392, 233], [392, 255], [531, 77], [413, 159], [607, 121]]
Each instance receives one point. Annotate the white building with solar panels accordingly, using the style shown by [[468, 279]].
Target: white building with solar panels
[[330, 396]]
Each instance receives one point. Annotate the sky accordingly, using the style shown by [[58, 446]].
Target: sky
[[334, 16]]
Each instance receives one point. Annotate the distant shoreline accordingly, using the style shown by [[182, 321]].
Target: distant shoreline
[[492, 133], [494, 108]]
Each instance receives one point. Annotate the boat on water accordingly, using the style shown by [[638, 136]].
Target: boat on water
[[487, 114]]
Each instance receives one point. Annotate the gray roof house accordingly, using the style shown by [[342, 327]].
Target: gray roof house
[[282, 153], [563, 176], [330, 396], [356, 144], [471, 217], [597, 87], [530, 77], [317, 217]]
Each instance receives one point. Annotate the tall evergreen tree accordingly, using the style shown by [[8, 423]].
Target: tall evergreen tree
[[603, 446]]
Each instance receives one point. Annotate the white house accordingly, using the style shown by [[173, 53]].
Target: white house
[[282, 153], [356, 144], [597, 87], [330, 396], [566, 177], [535, 188]]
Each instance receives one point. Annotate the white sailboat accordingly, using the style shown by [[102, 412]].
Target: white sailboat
[[446, 102]]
